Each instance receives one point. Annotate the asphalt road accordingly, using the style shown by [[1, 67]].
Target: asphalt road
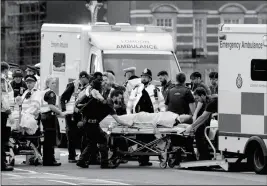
[[125, 174]]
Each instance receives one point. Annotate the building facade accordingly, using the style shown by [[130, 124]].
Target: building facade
[[22, 38], [195, 26]]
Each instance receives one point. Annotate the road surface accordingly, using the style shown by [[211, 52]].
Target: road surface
[[125, 174]]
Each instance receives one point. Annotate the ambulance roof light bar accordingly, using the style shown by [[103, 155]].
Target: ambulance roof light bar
[[101, 23], [122, 24]]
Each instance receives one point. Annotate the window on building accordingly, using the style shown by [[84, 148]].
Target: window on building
[[59, 62], [199, 35], [231, 21], [164, 22], [232, 13], [259, 69]]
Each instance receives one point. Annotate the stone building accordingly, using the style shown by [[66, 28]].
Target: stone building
[[195, 26]]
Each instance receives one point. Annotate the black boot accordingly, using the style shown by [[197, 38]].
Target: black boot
[[6, 168], [82, 164]]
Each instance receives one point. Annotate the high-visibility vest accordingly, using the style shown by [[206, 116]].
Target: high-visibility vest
[[71, 104], [31, 105], [7, 95], [44, 105]]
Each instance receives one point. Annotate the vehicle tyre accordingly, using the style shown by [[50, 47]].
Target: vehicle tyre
[[257, 161]]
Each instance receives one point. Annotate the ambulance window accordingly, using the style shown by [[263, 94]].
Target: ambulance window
[[259, 69], [93, 66], [59, 62]]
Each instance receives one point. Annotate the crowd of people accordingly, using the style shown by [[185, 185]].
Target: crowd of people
[[89, 99]]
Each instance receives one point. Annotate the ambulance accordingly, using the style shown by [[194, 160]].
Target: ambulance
[[242, 106], [67, 49]]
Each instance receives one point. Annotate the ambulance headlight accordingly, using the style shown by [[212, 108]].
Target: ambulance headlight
[[265, 40], [140, 29]]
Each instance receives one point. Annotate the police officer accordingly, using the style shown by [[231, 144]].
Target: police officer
[[5, 112], [50, 122], [67, 101], [30, 70], [18, 85], [31, 100], [145, 97], [94, 112]]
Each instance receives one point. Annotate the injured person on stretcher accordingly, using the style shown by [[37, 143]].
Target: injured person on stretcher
[[152, 123]]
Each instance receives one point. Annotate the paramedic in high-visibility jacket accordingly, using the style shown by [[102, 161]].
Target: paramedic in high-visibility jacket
[[67, 101], [50, 122], [131, 82], [5, 112], [145, 97]]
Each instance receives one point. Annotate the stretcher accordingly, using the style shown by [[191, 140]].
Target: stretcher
[[125, 142]]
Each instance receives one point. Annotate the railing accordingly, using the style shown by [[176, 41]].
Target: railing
[[208, 139]]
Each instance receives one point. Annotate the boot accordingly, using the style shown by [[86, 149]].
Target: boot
[[82, 164], [6, 168]]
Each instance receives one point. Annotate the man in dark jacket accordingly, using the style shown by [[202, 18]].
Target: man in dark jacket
[[18, 85], [196, 79], [165, 82], [180, 99]]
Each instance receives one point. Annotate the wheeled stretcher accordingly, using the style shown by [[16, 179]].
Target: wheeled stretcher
[[125, 143]]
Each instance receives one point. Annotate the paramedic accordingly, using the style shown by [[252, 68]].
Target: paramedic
[[197, 82], [201, 96], [115, 85], [50, 122], [95, 111], [199, 126], [108, 81], [33, 71], [180, 99], [145, 97], [131, 82], [5, 112], [214, 83], [18, 85], [67, 102], [116, 99], [165, 82]]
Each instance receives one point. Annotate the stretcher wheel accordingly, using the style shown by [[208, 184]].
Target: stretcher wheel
[[163, 165], [171, 163]]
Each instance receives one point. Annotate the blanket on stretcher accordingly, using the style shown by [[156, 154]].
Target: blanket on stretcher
[[148, 120]]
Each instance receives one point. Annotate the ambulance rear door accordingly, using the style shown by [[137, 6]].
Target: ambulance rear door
[[95, 63]]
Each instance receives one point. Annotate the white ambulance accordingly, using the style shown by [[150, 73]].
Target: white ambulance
[[67, 49], [242, 97]]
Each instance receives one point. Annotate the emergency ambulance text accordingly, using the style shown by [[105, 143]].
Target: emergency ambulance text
[[61, 45], [248, 45]]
